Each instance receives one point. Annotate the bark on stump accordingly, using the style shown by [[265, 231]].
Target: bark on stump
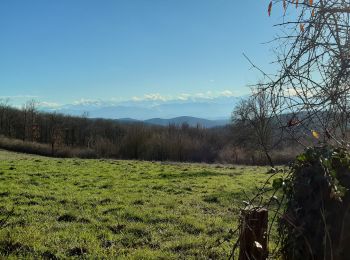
[[253, 235]]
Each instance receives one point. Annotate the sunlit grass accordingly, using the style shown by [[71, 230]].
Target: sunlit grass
[[107, 208]]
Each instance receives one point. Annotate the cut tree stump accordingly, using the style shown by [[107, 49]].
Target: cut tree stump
[[253, 234]]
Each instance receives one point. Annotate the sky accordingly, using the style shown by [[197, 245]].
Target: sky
[[63, 51]]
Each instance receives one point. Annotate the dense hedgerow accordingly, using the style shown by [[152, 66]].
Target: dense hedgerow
[[316, 220]]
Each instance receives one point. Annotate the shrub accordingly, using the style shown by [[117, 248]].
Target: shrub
[[45, 149], [316, 221]]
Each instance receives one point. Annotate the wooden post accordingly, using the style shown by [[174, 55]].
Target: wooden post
[[253, 235]]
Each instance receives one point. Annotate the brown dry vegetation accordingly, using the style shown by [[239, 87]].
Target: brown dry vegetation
[[30, 131]]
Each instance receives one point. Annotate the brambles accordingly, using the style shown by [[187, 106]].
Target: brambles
[[312, 85], [312, 82], [316, 220]]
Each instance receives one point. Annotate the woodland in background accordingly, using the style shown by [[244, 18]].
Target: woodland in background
[[31, 131]]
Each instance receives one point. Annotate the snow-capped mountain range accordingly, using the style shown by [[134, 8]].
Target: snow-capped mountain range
[[217, 108]]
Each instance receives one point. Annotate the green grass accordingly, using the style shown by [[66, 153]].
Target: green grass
[[66, 208]]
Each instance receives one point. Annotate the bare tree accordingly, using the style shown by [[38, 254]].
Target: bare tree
[[4, 106], [257, 113], [314, 61], [55, 131], [312, 87], [29, 112]]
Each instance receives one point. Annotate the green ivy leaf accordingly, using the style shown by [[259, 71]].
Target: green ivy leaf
[[277, 183], [301, 158]]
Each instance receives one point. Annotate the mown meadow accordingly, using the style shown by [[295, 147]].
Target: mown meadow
[[73, 208]]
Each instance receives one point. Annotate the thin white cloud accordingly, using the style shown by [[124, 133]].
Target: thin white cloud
[[151, 97], [155, 98], [84, 101], [227, 93], [185, 96], [49, 105]]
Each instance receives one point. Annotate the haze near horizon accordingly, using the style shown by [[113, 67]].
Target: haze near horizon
[[84, 52]]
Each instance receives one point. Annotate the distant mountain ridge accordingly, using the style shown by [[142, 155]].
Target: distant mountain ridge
[[191, 121], [217, 108]]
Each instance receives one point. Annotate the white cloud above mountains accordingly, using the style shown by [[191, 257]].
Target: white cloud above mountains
[[151, 97], [209, 104], [48, 104], [186, 96], [18, 100]]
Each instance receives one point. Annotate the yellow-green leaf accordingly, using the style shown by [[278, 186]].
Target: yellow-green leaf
[[315, 134]]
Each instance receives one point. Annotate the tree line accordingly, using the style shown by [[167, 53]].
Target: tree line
[[29, 130]]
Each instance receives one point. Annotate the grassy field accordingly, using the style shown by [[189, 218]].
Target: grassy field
[[66, 208]]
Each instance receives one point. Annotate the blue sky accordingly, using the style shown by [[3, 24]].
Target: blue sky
[[61, 51]]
